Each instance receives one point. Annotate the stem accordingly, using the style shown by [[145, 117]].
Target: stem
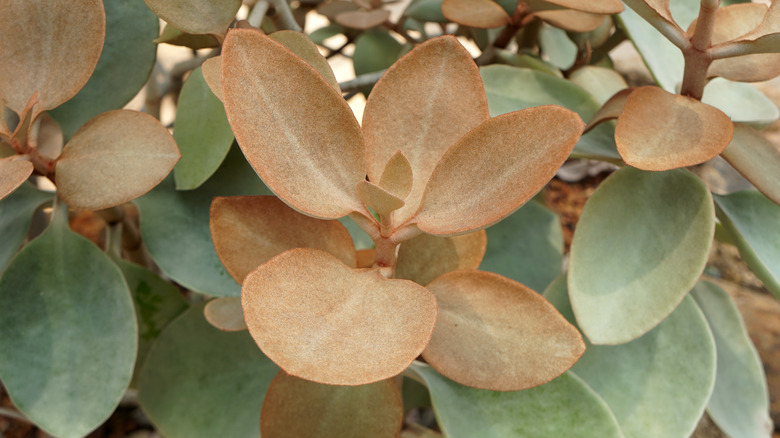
[[285, 15], [702, 35], [9, 413], [734, 48], [257, 15], [695, 75]]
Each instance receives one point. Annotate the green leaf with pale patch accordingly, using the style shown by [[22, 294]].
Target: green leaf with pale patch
[[741, 102]]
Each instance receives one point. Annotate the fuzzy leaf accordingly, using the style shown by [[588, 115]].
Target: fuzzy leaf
[[211, 74], [197, 16], [483, 14], [14, 171], [756, 159], [302, 46], [397, 178], [225, 314], [377, 198], [425, 257]]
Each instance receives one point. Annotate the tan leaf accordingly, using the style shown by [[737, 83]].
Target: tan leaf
[[332, 8], [496, 168], [483, 14], [302, 46], [48, 46], [770, 25], [296, 131], [653, 9], [571, 20], [494, 333], [14, 171], [612, 109], [225, 314], [363, 19], [608, 7], [397, 178], [322, 321], [756, 159], [114, 158], [425, 257], [197, 16], [366, 257], [295, 407], [211, 74], [660, 131], [247, 231], [425, 102], [379, 199]]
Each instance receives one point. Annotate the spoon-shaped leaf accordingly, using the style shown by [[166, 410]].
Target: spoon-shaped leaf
[[322, 321], [226, 314], [114, 158], [294, 407], [197, 16], [483, 14], [425, 257], [496, 168], [756, 159], [14, 171], [303, 141]]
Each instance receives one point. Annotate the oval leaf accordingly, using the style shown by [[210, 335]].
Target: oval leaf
[[197, 16], [483, 14], [295, 407], [301, 45], [378, 199], [14, 171], [602, 83], [114, 158], [322, 321], [363, 19], [397, 178], [571, 20], [741, 102], [225, 314], [497, 167], [425, 257], [633, 221], [756, 159]]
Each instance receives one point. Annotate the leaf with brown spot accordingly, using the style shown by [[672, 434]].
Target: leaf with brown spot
[[612, 109], [49, 46], [295, 407], [225, 314], [607, 7], [756, 159], [14, 171], [247, 231], [397, 178], [303, 141], [377, 198], [571, 20], [197, 16], [423, 104], [494, 333], [425, 257], [302, 46], [114, 158], [496, 168], [211, 74], [322, 321], [483, 14], [660, 131], [363, 19]]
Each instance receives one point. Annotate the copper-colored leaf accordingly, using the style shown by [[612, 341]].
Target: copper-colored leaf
[[612, 109], [363, 19], [379, 199], [571, 20], [425, 102], [397, 178], [756, 159], [302, 46], [322, 321], [247, 231], [496, 168], [660, 131], [494, 333], [770, 25], [296, 408], [14, 171], [48, 46], [593, 6], [197, 16], [114, 158], [332, 8], [425, 257], [296, 131], [484, 14], [652, 9], [225, 314], [211, 74], [366, 257]]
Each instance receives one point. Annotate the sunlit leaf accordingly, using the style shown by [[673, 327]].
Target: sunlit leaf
[[363, 19], [210, 69], [377, 198], [295, 407], [72, 332], [397, 178], [633, 221], [247, 231], [14, 171], [425, 257], [756, 159], [658, 130], [571, 20], [200, 382], [741, 102], [225, 314], [483, 14], [197, 16], [302, 46], [740, 400], [497, 167], [16, 212], [602, 83], [310, 155], [322, 321], [595, 7], [49, 46], [114, 158]]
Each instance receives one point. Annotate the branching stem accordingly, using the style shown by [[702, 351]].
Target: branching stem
[[285, 16], [697, 55]]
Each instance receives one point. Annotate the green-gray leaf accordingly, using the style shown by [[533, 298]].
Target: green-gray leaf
[[426, 10], [15, 216], [375, 50], [558, 47], [741, 102]]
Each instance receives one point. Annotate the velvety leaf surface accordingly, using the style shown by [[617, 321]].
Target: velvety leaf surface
[[753, 222], [483, 14], [496, 167], [125, 64], [49, 46], [423, 104], [226, 314], [210, 69], [197, 16], [114, 158], [377, 198], [295, 407], [72, 332], [302, 46], [756, 159], [425, 257], [14, 171], [175, 226], [657, 227], [397, 178], [740, 400], [322, 321], [564, 407], [200, 382], [310, 155], [657, 385], [527, 247], [16, 212], [741, 102], [250, 230]]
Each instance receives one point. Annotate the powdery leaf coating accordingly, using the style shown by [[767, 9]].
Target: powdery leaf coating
[[571, 20], [13, 172], [593, 6], [197, 16], [494, 333], [425, 257], [397, 178], [363, 19], [49, 46], [211, 74], [660, 131], [379, 199], [423, 104], [612, 109], [756, 159], [483, 14], [303, 141], [496, 168], [114, 158], [295, 407], [247, 231], [322, 321], [302, 46], [225, 314]]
